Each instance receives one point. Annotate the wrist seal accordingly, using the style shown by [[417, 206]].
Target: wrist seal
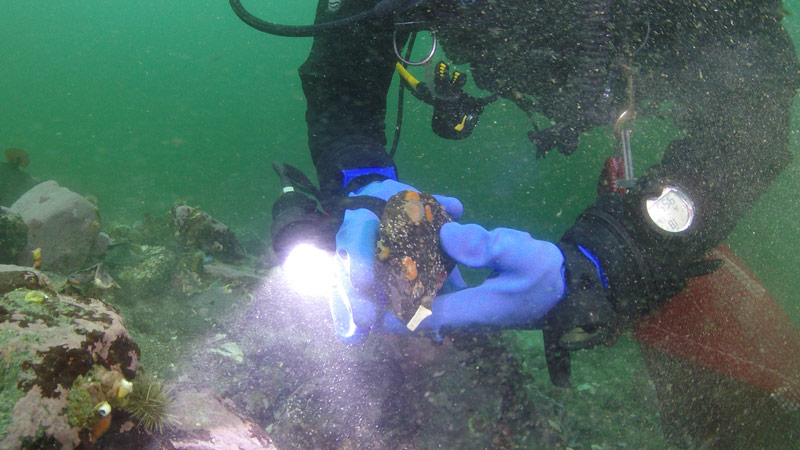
[[582, 319]]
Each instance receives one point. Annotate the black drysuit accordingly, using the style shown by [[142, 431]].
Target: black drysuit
[[728, 66]]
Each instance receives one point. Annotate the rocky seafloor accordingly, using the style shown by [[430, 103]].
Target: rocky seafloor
[[244, 362]]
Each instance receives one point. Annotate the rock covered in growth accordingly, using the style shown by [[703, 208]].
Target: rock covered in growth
[[410, 265], [152, 273], [62, 223], [13, 235], [201, 419], [49, 344], [14, 277], [199, 230]]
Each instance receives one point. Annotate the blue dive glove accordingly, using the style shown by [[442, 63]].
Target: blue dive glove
[[528, 280], [355, 305]]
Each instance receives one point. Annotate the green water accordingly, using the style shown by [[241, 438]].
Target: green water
[[145, 103]]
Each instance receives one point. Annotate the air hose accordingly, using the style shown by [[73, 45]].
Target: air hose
[[383, 8]]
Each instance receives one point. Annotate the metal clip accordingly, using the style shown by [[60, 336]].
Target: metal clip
[[424, 60], [622, 132]]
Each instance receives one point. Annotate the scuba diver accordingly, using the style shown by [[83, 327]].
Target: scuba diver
[[729, 68]]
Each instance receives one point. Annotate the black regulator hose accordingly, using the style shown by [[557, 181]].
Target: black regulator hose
[[384, 7]]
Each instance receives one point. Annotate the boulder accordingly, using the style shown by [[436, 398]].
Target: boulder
[[14, 277], [51, 345], [207, 421], [62, 223]]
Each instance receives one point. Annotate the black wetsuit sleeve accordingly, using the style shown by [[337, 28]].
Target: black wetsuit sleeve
[[734, 89], [345, 80]]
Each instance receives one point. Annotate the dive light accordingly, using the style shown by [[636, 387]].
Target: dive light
[[304, 235], [297, 220]]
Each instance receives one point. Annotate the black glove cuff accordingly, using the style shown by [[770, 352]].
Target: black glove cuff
[[582, 319], [641, 275], [643, 270], [585, 305], [588, 314]]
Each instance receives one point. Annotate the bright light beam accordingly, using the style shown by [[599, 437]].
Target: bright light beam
[[309, 270]]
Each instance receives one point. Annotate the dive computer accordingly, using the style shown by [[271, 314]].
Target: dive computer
[[670, 212]]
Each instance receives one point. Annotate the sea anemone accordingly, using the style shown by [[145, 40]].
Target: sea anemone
[[17, 157], [149, 403]]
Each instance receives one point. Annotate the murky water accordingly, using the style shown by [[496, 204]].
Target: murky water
[[145, 103]]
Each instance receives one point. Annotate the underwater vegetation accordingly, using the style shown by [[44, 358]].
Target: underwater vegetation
[[149, 404], [92, 397], [16, 157]]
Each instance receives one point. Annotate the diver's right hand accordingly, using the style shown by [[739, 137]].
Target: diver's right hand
[[356, 305]]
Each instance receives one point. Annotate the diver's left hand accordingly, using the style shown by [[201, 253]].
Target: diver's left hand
[[528, 280]]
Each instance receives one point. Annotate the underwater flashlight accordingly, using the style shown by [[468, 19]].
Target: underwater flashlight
[[296, 220], [304, 227], [303, 237]]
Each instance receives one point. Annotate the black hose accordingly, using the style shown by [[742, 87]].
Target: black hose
[[384, 7], [292, 30], [398, 126]]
